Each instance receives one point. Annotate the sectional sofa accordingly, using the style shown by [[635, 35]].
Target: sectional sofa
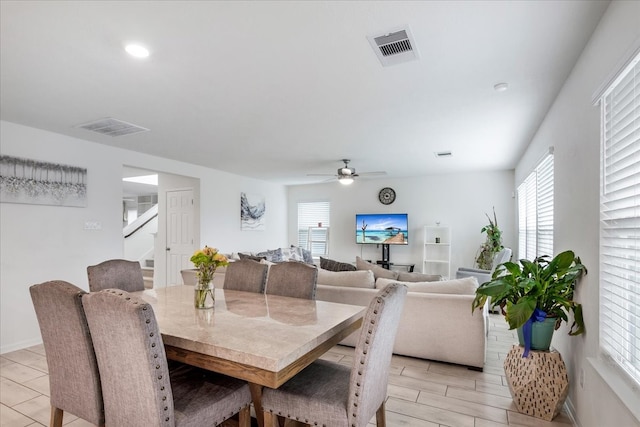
[[437, 322]]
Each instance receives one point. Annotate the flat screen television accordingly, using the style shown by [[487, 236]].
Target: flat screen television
[[382, 229]]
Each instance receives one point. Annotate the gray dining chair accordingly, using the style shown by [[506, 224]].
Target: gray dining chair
[[292, 279], [138, 388], [246, 275], [116, 273], [74, 379], [189, 276], [330, 394]]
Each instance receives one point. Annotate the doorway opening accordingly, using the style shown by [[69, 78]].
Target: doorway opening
[[149, 223]]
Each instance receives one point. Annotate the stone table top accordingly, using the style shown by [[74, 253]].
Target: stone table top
[[268, 332]]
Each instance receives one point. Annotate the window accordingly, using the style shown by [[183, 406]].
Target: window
[[535, 211], [314, 214], [620, 221]]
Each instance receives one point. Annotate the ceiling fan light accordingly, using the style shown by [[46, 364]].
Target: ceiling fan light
[[345, 180]]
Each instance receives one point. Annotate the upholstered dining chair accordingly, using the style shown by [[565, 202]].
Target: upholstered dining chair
[[137, 386], [189, 276], [74, 379], [116, 273], [292, 279], [331, 394], [246, 275]]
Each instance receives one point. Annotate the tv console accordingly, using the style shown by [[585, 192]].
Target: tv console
[[388, 265]]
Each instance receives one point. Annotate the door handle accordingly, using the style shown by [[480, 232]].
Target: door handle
[[168, 249]]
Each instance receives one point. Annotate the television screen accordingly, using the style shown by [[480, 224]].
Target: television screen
[[390, 229]]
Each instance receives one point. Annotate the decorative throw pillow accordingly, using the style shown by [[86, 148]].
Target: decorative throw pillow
[[251, 257], [377, 270], [288, 254], [303, 254], [273, 255], [332, 265]]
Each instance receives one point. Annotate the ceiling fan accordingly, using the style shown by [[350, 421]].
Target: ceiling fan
[[346, 174]]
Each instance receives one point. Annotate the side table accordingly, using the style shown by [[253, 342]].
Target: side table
[[539, 383]]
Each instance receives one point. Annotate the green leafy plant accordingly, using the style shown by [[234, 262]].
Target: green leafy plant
[[491, 246], [518, 289]]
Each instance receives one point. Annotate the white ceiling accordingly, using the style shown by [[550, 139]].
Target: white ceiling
[[277, 90]]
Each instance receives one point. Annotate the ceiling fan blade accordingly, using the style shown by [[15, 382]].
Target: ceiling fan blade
[[377, 173], [321, 174]]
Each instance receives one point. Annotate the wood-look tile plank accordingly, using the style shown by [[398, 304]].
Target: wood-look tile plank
[[19, 373], [481, 398], [12, 393], [29, 358], [463, 407], [435, 377], [417, 384], [40, 384], [464, 372], [39, 409], [11, 418], [491, 388], [429, 413], [402, 393]]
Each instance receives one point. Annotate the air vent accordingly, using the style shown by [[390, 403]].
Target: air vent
[[394, 47], [443, 154], [112, 127]]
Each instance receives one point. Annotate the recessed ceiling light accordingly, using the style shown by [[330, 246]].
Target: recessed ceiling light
[[137, 50], [500, 87]]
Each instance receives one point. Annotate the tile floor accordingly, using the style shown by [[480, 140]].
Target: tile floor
[[421, 393]]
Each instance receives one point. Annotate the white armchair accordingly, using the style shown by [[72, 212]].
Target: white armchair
[[485, 275]]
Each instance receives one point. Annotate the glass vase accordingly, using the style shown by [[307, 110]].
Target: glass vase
[[204, 295]]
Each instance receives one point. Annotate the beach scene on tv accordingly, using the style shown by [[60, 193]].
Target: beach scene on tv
[[390, 229]]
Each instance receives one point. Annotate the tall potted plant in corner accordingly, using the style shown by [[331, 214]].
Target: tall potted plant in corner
[[491, 246], [536, 296]]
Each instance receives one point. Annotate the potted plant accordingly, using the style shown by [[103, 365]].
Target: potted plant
[[536, 293], [491, 246]]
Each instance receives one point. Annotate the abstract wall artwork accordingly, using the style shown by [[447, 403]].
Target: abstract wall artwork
[[42, 183], [252, 210]]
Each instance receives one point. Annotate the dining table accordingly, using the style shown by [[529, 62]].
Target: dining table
[[263, 339]]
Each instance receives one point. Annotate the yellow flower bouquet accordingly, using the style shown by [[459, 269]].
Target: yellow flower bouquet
[[206, 261]]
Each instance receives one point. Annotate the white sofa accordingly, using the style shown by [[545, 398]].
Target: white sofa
[[437, 322]]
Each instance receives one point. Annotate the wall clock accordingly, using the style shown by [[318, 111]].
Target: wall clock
[[387, 196]]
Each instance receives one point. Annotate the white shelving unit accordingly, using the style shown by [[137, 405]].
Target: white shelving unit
[[437, 251], [318, 241]]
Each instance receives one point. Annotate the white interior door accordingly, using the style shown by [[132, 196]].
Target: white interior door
[[180, 236]]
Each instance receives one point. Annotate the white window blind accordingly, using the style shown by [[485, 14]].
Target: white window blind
[[310, 214], [535, 212], [620, 221]]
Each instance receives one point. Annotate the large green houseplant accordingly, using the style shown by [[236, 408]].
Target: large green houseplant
[[492, 244], [534, 290]]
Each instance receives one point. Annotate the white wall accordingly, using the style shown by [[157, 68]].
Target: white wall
[[573, 127], [457, 200], [41, 243]]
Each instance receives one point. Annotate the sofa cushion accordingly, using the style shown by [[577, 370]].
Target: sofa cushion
[[466, 286], [404, 276], [378, 271], [332, 265], [351, 279]]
